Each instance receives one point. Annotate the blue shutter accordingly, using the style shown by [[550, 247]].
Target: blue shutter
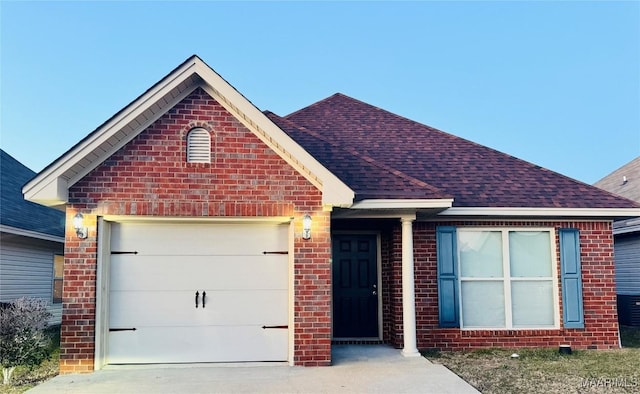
[[571, 278], [447, 277]]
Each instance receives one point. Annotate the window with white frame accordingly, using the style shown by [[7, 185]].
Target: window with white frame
[[198, 146], [507, 278]]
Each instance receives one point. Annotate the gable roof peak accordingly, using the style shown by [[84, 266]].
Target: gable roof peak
[[51, 186]]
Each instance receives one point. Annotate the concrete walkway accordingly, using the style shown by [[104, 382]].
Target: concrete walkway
[[356, 369]]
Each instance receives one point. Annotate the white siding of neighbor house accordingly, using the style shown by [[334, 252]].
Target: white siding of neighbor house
[[26, 270], [627, 257]]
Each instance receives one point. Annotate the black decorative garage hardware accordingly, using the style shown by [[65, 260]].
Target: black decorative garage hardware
[[204, 298]]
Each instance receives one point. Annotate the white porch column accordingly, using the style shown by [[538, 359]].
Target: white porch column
[[408, 289]]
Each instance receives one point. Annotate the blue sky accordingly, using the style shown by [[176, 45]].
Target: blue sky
[[553, 83]]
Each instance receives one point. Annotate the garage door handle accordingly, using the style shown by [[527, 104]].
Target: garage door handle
[[197, 298], [204, 297]]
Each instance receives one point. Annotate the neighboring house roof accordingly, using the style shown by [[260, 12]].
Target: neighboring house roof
[[625, 181], [18, 214], [432, 163]]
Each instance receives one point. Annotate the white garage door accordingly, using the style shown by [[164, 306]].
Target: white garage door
[[198, 293]]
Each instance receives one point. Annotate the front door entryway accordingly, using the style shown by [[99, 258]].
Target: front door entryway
[[355, 286]]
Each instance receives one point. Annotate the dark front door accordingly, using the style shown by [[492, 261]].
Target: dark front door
[[355, 286]]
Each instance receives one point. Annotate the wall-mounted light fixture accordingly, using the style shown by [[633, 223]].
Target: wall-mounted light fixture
[[78, 224], [306, 226]]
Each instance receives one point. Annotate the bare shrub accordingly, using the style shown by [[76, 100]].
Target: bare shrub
[[22, 334]]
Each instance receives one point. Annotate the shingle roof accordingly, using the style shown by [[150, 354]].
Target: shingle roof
[[357, 169], [625, 181], [15, 211], [383, 155]]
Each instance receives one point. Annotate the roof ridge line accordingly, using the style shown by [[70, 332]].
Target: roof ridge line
[[311, 105], [364, 157], [434, 129]]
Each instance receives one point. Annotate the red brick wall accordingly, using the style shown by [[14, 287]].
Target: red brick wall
[[150, 176], [78, 300], [599, 295]]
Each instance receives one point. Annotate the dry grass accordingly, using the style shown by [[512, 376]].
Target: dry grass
[[547, 371]]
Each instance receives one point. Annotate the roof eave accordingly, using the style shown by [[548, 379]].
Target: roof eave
[[51, 191], [46, 187], [393, 208], [30, 233], [528, 212], [403, 203]]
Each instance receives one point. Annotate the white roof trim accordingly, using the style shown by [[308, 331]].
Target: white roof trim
[[403, 203], [40, 189], [30, 234], [50, 187], [529, 212]]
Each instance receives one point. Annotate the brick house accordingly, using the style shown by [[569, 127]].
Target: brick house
[[200, 229]]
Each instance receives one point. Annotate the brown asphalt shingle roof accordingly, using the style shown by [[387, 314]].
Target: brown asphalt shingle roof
[[356, 169], [383, 155]]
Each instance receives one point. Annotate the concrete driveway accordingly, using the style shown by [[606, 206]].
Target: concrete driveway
[[356, 369]]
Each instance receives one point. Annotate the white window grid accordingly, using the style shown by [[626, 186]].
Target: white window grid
[[506, 270]]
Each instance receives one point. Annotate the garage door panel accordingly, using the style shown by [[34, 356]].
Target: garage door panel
[[154, 308], [227, 239], [216, 344], [249, 307], [131, 272], [153, 285], [177, 308]]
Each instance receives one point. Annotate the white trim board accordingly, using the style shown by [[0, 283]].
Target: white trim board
[[30, 234], [403, 204]]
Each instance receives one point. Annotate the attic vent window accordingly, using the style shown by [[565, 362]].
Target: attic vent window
[[198, 146]]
